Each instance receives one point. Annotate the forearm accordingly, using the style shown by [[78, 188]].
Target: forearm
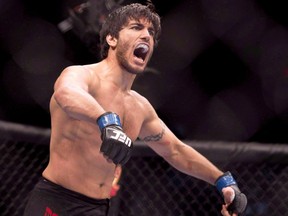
[[78, 104], [189, 161]]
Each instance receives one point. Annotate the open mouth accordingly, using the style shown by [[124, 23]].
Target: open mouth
[[141, 51]]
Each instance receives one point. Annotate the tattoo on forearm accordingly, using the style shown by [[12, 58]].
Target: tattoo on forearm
[[156, 137]]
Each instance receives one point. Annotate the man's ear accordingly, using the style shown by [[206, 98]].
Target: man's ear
[[112, 41]]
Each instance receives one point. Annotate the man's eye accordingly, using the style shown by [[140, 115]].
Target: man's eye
[[136, 27], [152, 32]]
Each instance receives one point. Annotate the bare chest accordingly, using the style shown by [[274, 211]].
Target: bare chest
[[129, 111]]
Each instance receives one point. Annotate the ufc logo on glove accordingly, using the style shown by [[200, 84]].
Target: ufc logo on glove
[[116, 145], [120, 136]]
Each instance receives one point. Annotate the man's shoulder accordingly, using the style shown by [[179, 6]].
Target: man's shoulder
[[142, 100], [81, 69], [138, 96], [85, 67]]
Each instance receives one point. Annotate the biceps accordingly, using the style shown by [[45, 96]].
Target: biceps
[[161, 140], [153, 131]]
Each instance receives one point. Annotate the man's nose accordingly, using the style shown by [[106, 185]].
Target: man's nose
[[146, 34]]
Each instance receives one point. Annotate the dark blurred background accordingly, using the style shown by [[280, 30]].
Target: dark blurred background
[[219, 72]]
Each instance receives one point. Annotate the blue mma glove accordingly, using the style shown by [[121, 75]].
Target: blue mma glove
[[116, 145], [239, 202]]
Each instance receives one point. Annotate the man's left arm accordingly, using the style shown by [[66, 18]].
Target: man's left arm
[[187, 160]]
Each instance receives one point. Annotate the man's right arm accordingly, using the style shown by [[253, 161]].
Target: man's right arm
[[72, 95], [71, 92]]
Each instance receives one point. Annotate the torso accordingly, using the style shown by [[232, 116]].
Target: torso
[[75, 161]]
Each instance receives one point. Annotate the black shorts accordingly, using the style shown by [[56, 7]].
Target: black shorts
[[50, 199]]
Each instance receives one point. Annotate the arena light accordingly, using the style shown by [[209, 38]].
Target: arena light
[[85, 20]]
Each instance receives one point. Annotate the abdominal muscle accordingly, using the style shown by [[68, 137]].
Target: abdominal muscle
[[75, 159]]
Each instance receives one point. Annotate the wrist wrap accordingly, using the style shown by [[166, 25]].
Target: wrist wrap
[[225, 180], [108, 118]]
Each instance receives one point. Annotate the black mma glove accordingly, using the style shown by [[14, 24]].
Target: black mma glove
[[116, 145], [239, 203]]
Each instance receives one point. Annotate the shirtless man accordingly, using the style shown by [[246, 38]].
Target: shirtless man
[[96, 117]]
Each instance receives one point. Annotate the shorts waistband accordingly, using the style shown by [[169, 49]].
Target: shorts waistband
[[58, 189]]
